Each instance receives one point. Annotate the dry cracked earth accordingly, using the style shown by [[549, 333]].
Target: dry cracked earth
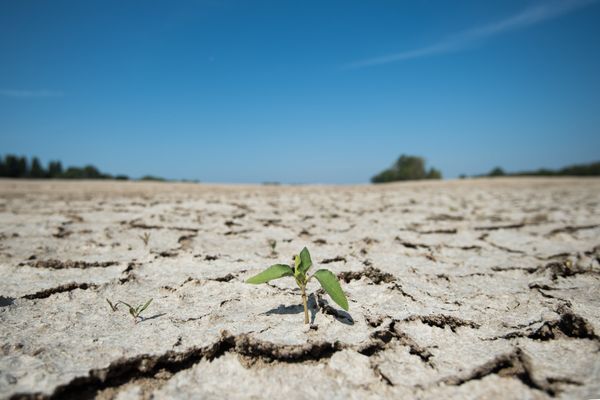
[[465, 289]]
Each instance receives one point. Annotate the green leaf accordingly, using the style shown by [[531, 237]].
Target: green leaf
[[273, 272], [132, 311], [305, 261], [122, 302], [145, 306], [331, 285], [112, 306]]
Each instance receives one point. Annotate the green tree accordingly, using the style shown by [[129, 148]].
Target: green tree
[[55, 169], [152, 178], [592, 169], [23, 167], [73, 173], [406, 168], [37, 171], [87, 172], [434, 174], [497, 172], [16, 167], [91, 172], [11, 163]]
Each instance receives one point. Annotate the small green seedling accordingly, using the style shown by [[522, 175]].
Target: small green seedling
[[273, 245], [112, 306], [134, 311], [145, 238], [302, 264]]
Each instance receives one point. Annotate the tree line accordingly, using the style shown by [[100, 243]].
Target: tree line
[[591, 169], [12, 166]]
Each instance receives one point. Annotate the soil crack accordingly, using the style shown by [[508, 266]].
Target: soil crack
[[58, 264], [67, 287], [376, 276], [442, 321], [126, 370], [516, 364], [569, 324], [571, 229], [497, 227], [382, 339]]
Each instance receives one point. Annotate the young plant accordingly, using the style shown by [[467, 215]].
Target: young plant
[[134, 311], [145, 238], [273, 245], [302, 264], [114, 306]]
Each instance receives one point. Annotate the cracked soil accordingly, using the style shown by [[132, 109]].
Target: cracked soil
[[458, 289]]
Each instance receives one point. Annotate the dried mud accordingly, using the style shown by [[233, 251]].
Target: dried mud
[[466, 289]]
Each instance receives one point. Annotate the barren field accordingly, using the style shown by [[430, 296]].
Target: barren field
[[465, 289]]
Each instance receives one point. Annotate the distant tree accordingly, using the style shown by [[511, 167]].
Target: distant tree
[[387, 175], [406, 168], [462, 176], [11, 164], [497, 172], [434, 174], [23, 167], [152, 178], [592, 169], [73, 173], [15, 167], [37, 171], [544, 172], [91, 172], [87, 172], [55, 169]]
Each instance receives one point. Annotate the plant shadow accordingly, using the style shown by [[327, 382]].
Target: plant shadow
[[152, 317], [283, 309], [313, 307], [342, 316]]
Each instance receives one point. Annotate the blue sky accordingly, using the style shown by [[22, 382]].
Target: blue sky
[[290, 91]]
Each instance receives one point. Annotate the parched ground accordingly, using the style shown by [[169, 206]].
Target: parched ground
[[466, 289]]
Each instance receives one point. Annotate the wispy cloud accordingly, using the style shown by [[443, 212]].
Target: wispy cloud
[[462, 40], [30, 93]]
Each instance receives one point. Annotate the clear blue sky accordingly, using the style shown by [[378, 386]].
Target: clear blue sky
[[300, 91]]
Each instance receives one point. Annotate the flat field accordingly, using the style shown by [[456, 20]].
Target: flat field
[[458, 289]]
